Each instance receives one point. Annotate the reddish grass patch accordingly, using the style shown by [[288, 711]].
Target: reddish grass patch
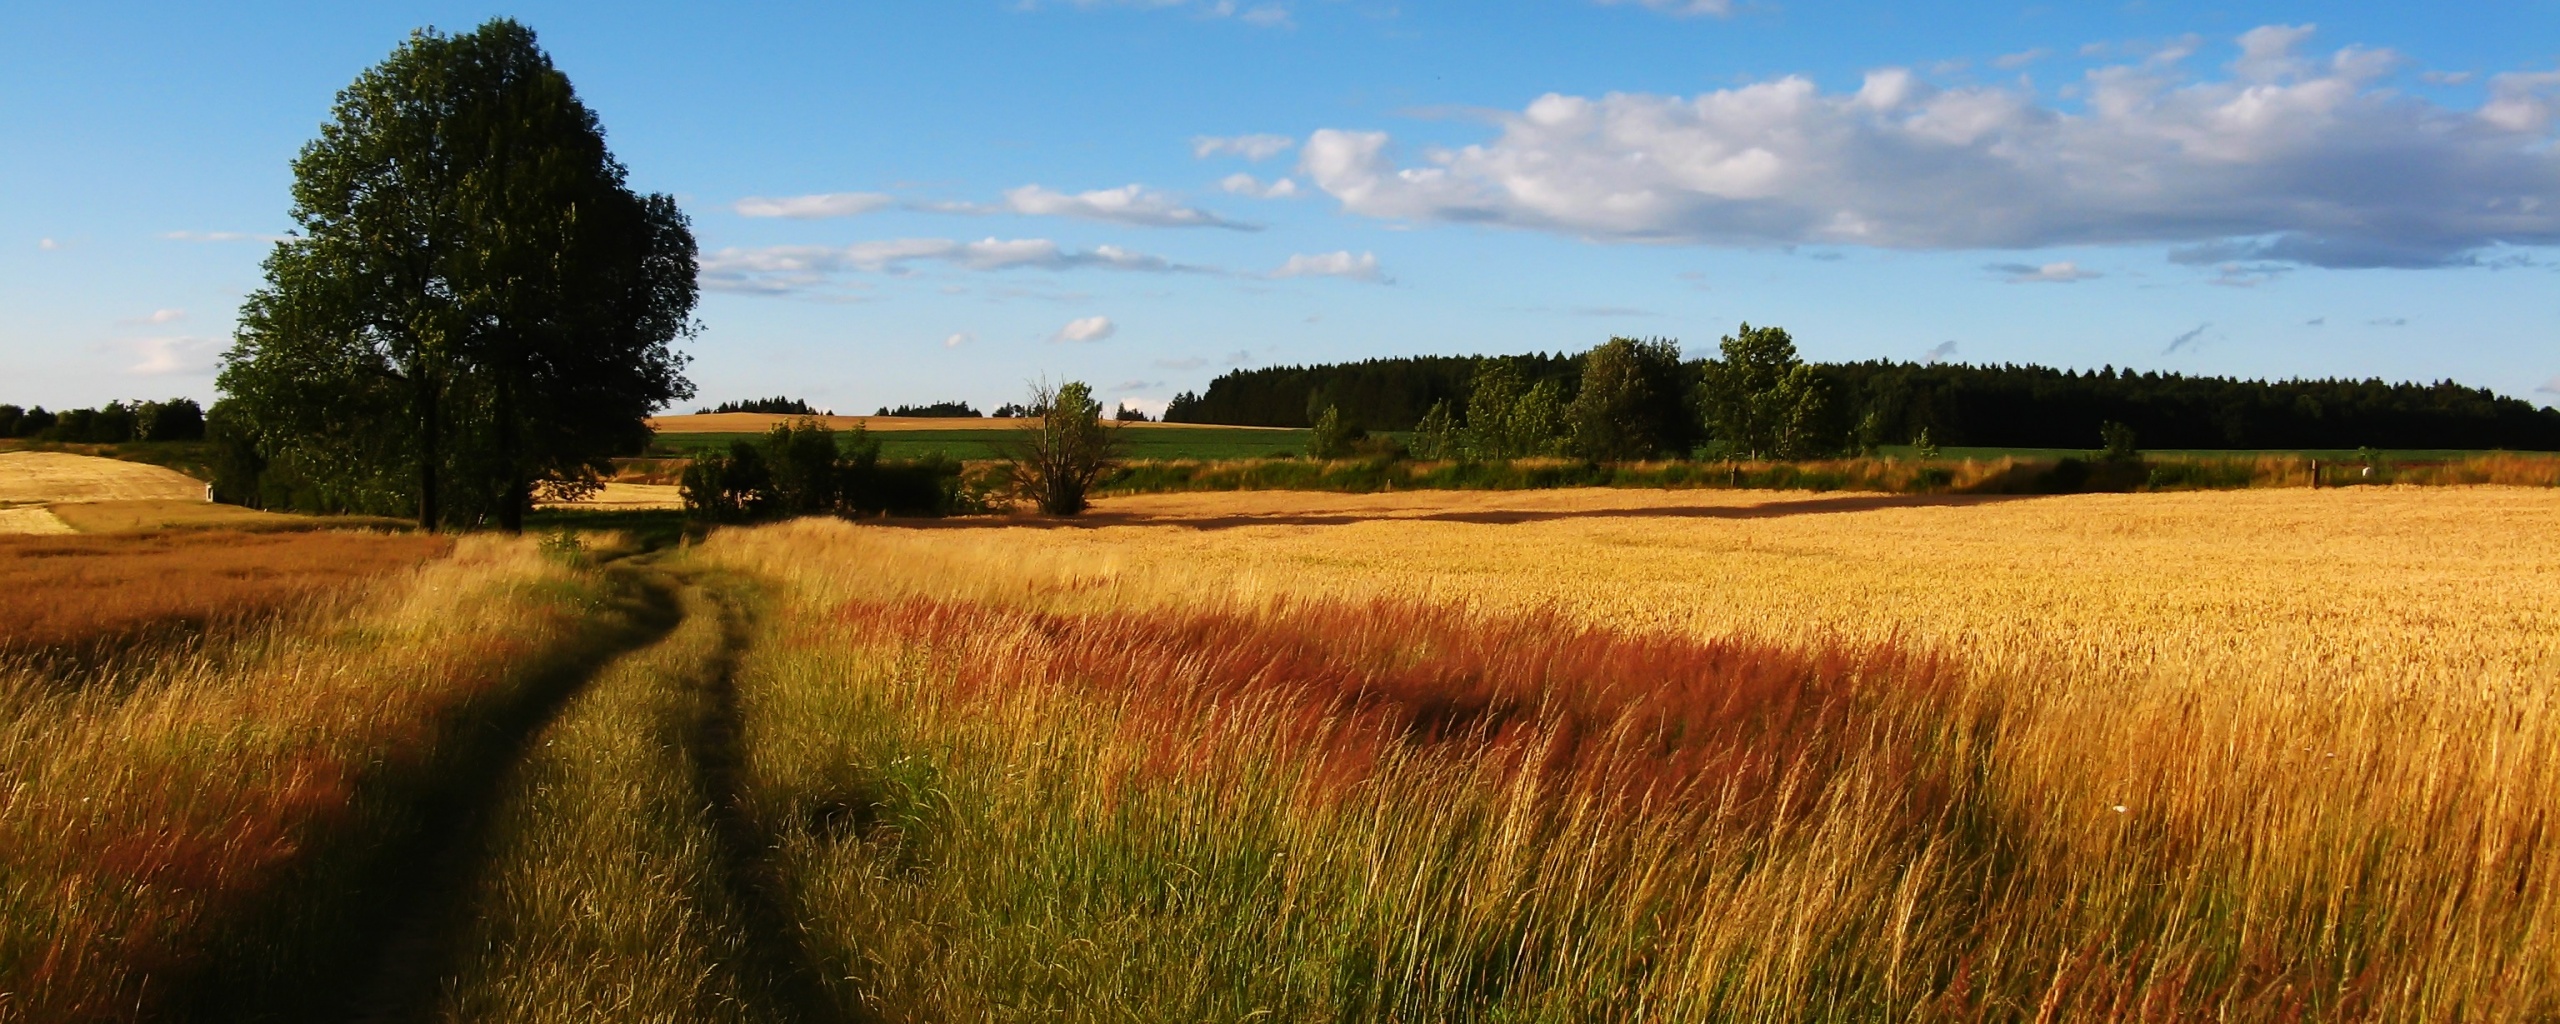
[[1640, 717], [72, 591]]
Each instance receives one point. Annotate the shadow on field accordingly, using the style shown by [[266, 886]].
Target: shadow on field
[[391, 972], [1775, 509]]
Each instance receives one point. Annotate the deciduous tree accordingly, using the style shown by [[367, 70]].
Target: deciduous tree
[[477, 306]]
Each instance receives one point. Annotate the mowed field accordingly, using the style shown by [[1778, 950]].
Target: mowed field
[[1556, 755]]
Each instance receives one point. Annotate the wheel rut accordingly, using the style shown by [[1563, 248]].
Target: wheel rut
[[396, 977], [425, 938]]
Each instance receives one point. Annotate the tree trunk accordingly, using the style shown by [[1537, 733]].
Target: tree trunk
[[430, 428], [519, 493]]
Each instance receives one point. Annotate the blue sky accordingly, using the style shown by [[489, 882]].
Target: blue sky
[[913, 201]]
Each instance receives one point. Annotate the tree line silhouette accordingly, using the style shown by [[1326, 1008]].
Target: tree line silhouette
[[1882, 402]]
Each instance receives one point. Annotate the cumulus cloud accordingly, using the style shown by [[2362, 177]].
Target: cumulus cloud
[[786, 269], [1248, 185], [2184, 340], [2282, 158], [1363, 267], [1128, 204], [1090, 328], [1682, 8], [157, 316], [958, 339], [47, 244], [813, 207], [2064, 272], [1938, 351], [1250, 147], [159, 357]]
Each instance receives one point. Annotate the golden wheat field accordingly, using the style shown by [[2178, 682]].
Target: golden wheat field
[[1621, 755], [1637, 755]]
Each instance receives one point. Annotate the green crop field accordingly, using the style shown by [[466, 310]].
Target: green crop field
[[1142, 443]]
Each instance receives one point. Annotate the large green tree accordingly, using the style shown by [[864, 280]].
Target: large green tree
[[1761, 399], [1631, 405], [477, 307]]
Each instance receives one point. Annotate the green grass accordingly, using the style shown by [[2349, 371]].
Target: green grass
[[1149, 443]]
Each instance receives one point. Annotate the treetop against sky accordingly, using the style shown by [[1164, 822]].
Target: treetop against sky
[[913, 201]]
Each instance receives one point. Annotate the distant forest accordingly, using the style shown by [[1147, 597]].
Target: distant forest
[[936, 410], [2007, 406], [777, 405]]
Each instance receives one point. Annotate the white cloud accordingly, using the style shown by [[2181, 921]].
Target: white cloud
[[1938, 351], [1250, 147], [47, 244], [2286, 159], [787, 269], [1248, 185], [1128, 204], [155, 357], [958, 339], [222, 236], [1091, 328], [1363, 267], [1682, 8], [2014, 61], [813, 207], [157, 316], [2064, 272]]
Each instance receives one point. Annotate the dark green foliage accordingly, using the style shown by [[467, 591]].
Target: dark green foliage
[[2040, 407], [36, 422], [1880, 403], [478, 307], [806, 468], [777, 405], [1436, 437], [1063, 450], [240, 473], [801, 460], [728, 487], [2116, 443], [1332, 438], [1508, 417], [1633, 403], [1762, 400], [10, 416], [1375, 394], [937, 410], [1129, 414]]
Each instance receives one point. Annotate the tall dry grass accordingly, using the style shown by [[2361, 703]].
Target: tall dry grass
[[2278, 755], [91, 590], [199, 835], [604, 892]]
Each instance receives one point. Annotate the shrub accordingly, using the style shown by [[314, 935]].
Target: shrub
[[1063, 450]]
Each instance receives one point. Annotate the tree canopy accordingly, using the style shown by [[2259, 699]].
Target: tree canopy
[[477, 306]]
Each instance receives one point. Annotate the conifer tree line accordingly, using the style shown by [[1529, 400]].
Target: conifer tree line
[[476, 308], [1756, 398]]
